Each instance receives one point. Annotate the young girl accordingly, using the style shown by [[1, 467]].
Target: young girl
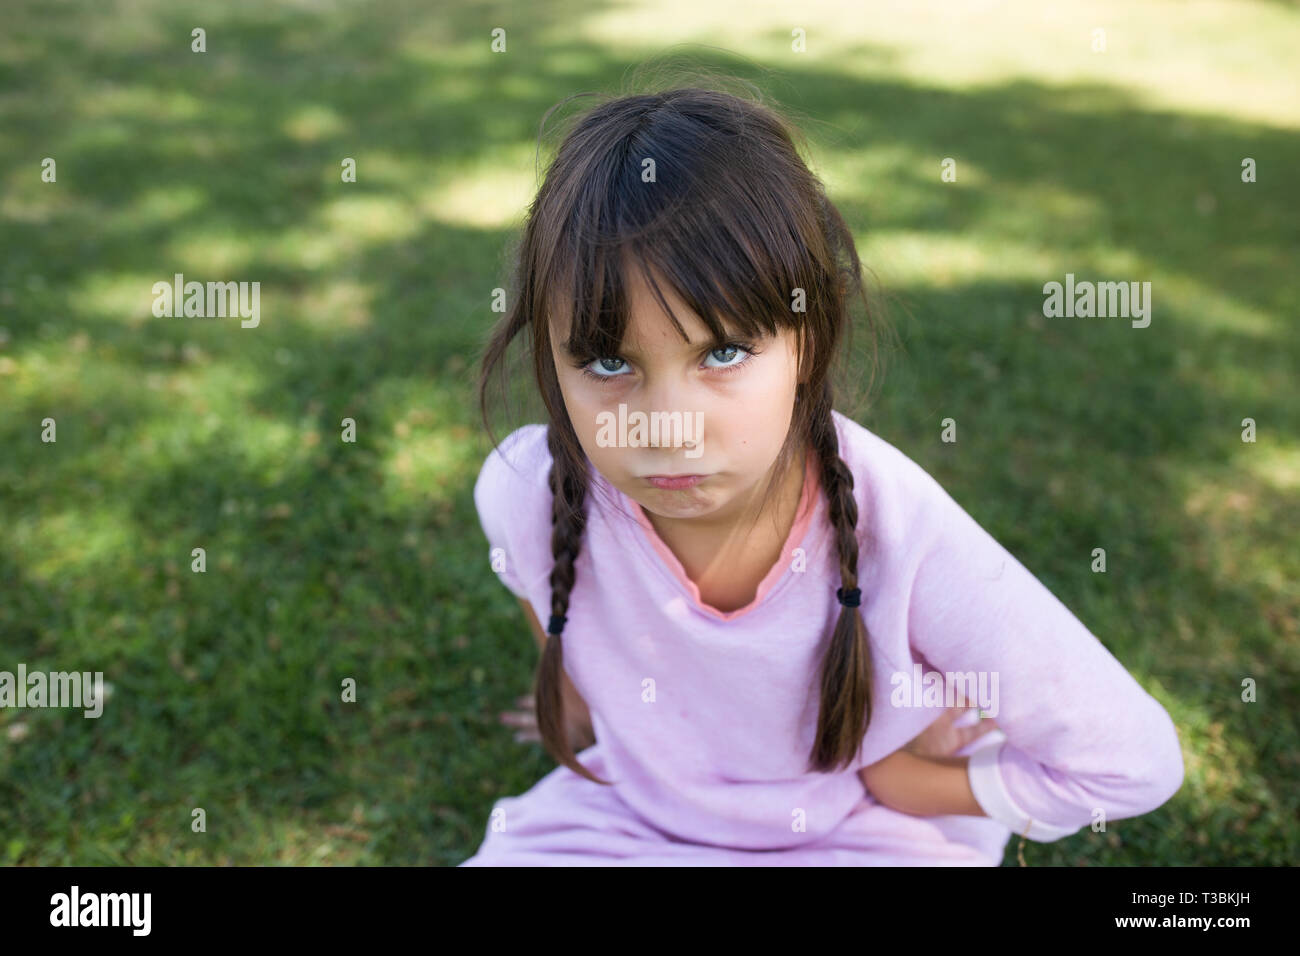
[[743, 606]]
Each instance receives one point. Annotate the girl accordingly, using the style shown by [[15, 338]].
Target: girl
[[745, 614]]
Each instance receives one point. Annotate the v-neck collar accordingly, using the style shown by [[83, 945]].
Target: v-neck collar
[[809, 500]]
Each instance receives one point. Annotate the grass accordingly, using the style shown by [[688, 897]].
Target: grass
[[329, 560]]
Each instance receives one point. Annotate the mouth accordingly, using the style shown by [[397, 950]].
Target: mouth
[[674, 482]]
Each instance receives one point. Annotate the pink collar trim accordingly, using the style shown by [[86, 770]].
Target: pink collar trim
[[803, 518]]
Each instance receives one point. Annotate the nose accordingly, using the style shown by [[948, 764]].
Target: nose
[[675, 416], [673, 422], [661, 402]]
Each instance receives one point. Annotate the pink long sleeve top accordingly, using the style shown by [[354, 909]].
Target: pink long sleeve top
[[705, 719]]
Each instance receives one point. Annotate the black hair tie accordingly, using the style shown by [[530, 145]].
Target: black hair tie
[[849, 598], [557, 624]]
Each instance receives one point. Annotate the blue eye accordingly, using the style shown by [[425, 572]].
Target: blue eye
[[731, 347], [586, 369]]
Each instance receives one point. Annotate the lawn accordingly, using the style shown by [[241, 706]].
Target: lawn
[[329, 559]]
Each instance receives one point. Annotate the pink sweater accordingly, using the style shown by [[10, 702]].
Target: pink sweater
[[704, 720]]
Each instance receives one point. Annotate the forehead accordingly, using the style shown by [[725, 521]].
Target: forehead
[[649, 325]]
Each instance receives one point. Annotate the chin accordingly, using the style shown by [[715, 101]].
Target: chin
[[686, 503]]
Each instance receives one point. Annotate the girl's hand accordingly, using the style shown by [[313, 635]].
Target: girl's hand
[[942, 739], [524, 721]]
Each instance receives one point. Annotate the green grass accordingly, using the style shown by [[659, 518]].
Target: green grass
[[328, 560]]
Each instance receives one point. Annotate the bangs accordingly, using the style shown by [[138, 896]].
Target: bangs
[[739, 288]]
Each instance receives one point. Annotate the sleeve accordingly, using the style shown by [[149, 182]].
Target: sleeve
[[504, 504], [1080, 734]]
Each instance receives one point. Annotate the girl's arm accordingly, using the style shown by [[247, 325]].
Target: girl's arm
[[515, 512], [926, 778], [922, 786], [1083, 741]]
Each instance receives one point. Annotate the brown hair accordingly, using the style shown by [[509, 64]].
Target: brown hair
[[737, 222]]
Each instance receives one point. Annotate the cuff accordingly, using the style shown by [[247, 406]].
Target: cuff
[[991, 794]]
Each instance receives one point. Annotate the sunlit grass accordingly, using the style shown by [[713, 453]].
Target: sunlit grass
[[482, 198], [1234, 59], [85, 540]]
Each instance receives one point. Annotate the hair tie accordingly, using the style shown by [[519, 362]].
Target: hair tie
[[849, 598], [557, 625]]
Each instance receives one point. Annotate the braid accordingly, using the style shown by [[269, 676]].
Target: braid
[[845, 707], [568, 482]]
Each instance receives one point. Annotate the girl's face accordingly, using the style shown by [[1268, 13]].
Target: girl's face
[[735, 403]]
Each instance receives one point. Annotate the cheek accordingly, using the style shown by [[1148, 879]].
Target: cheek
[[754, 418], [584, 414], [768, 392], [578, 404], [761, 411], [583, 418]]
